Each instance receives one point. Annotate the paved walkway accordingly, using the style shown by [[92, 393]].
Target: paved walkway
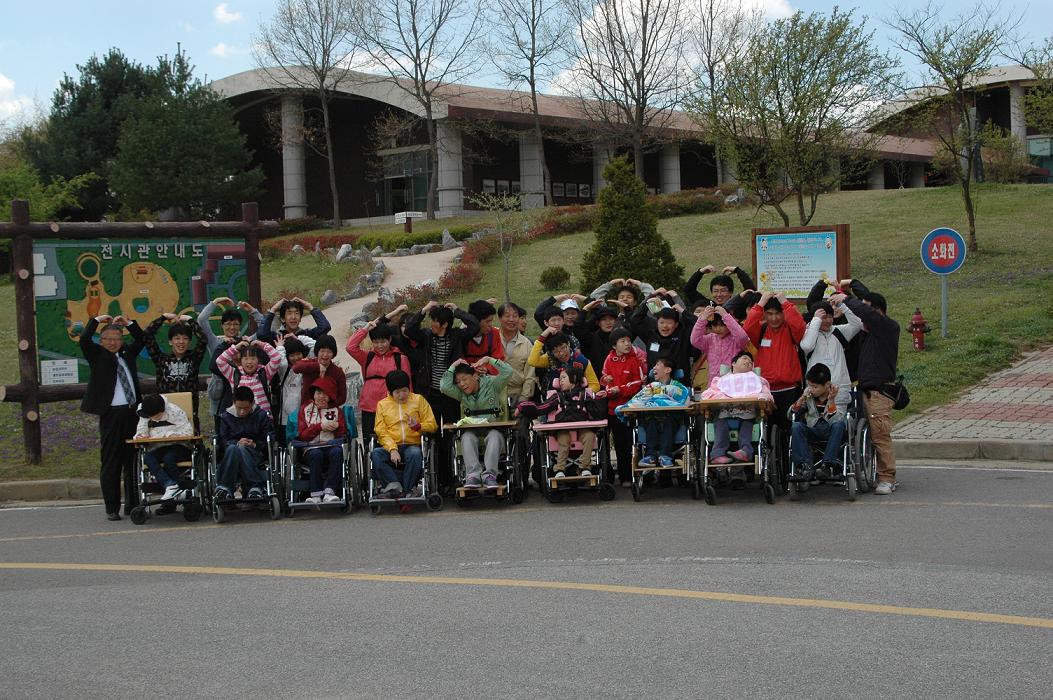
[[402, 272], [1014, 404]]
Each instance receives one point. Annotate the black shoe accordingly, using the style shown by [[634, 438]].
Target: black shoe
[[113, 516]]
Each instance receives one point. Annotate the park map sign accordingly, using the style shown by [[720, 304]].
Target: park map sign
[[792, 260], [74, 281]]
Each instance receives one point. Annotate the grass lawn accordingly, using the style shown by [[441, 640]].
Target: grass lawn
[[1001, 301], [306, 276]]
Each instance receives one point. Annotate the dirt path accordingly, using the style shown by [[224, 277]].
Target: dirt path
[[402, 272]]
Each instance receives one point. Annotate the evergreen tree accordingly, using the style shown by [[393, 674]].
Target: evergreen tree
[[628, 244], [181, 149]]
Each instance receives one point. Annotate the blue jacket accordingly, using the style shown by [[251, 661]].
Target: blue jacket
[[256, 426]]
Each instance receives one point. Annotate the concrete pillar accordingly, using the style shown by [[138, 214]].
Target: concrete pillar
[[451, 170], [876, 178], [1017, 124], [600, 157], [917, 175], [294, 158], [835, 173], [726, 175], [531, 174], [670, 168]]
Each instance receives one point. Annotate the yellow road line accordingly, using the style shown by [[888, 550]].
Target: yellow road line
[[938, 613]]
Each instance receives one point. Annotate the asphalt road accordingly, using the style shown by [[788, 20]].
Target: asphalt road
[[941, 590]]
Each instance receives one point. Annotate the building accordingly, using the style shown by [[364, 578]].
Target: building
[[486, 144]]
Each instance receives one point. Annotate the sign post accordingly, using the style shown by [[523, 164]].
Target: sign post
[[943, 252]]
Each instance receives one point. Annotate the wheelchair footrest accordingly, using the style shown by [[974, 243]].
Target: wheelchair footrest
[[573, 481], [475, 491]]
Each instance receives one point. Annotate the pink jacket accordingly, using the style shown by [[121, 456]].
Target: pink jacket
[[374, 388], [718, 351]]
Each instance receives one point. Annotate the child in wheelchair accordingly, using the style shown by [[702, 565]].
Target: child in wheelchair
[[159, 418], [321, 432], [660, 430], [817, 417], [243, 431], [740, 382], [402, 418], [570, 404]]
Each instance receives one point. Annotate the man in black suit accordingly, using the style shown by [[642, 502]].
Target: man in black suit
[[112, 395]]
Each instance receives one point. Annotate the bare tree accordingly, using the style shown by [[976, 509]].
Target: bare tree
[[791, 103], [627, 67], [528, 46], [420, 47], [954, 54], [305, 46], [723, 26]]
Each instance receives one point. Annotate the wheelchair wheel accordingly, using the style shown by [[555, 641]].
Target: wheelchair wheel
[[636, 491], [777, 460], [434, 502], [850, 486], [374, 510], [276, 508], [711, 495], [138, 515], [769, 493], [192, 512], [866, 460], [608, 492], [218, 514], [696, 490], [795, 491], [554, 496], [516, 495]]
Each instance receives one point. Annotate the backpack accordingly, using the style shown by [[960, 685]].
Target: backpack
[[370, 356]]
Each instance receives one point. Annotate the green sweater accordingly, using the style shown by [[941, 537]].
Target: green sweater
[[489, 395]]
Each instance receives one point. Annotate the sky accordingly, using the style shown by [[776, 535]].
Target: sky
[[42, 40]]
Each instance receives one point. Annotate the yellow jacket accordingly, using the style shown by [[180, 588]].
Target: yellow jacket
[[392, 421], [539, 358]]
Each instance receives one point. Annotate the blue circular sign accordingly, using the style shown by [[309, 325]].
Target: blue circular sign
[[943, 251]]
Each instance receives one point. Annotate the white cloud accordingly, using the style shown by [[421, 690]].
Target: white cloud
[[224, 15], [226, 50], [185, 26], [771, 9], [13, 107]]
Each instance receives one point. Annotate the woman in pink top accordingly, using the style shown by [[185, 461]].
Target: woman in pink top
[[719, 336], [375, 364]]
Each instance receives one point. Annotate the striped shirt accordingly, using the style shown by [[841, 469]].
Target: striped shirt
[[257, 381], [440, 358]]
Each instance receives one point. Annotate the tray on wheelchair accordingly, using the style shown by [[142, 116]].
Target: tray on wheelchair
[[686, 408], [172, 438], [481, 426], [575, 425], [705, 406]]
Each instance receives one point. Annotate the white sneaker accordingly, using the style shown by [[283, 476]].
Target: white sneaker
[[558, 475], [330, 498], [171, 492], [584, 472], [313, 500], [884, 488]]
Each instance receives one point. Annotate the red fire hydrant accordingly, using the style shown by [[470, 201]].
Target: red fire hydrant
[[918, 328]]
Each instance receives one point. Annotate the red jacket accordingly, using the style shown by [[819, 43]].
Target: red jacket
[[777, 351], [374, 384], [309, 369], [491, 346], [628, 373]]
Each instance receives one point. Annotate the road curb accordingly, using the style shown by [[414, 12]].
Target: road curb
[[967, 450], [50, 490]]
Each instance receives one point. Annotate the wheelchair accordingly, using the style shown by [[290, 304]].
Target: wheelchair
[[296, 474], [545, 447], [858, 460], [510, 476], [426, 492], [769, 456], [271, 500], [193, 471], [685, 458]]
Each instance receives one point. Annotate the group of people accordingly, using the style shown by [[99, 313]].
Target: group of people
[[626, 343]]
